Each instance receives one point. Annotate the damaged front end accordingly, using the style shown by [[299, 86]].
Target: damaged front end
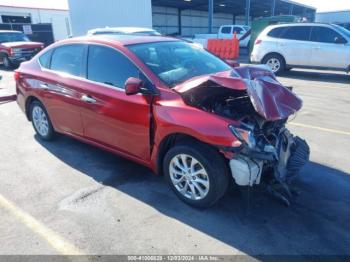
[[264, 149]]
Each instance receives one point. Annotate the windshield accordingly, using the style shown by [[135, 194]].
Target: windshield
[[343, 30], [176, 62], [13, 37]]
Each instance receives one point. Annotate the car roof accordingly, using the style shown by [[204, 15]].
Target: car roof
[[10, 31], [128, 30], [300, 24], [237, 25], [121, 40]]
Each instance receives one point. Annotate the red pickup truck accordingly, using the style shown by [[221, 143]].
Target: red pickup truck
[[15, 47]]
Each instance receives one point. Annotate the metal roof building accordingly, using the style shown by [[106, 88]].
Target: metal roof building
[[184, 17]]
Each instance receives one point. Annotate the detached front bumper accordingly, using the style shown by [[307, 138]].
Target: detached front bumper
[[286, 158]]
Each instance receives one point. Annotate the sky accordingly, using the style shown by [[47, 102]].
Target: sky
[[321, 5], [327, 5]]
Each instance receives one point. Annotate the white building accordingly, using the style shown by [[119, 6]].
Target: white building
[[34, 12], [86, 15]]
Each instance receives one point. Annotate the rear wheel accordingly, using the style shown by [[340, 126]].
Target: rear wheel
[[275, 62], [197, 173], [41, 121]]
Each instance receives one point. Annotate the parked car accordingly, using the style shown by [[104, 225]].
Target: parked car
[[226, 32], [166, 104], [305, 45], [15, 47], [123, 31], [242, 31]]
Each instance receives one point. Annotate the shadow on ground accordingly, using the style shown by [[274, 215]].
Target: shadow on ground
[[316, 76], [318, 222]]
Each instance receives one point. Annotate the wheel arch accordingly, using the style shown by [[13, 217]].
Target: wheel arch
[[3, 53], [29, 101], [171, 140], [274, 53]]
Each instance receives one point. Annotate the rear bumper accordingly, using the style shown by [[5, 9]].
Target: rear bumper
[[254, 58], [20, 99]]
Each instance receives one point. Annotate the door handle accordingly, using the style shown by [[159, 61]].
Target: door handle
[[317, 47], [88, 99], [44, 86]]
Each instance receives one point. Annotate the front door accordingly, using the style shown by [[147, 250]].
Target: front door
[[110, 117]]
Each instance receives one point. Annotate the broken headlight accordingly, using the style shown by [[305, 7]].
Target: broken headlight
[[244, 136]]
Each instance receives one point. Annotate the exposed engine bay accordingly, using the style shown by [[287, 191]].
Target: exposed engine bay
[[261, 106]]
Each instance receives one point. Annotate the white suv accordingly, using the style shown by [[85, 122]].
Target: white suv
[[305, 45]]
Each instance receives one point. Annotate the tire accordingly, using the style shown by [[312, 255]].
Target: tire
[[275, 62], [212, 177], [7, 62], [41, 121]]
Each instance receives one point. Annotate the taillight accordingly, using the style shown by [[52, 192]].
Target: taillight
[[258, 41], [17, 75]]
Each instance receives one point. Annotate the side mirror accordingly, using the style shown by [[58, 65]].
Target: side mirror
[[339, 40], [133, 86], [232, 63]]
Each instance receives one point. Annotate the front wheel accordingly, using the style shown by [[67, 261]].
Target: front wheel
[[197, 173], [275, 62]]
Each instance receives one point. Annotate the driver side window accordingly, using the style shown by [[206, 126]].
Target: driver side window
[[108, 66]]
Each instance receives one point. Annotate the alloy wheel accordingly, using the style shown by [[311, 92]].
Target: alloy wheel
[[274, 64], [40, 121], [189, 177]]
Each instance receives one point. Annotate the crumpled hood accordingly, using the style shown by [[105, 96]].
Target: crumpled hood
[[23, 44], [270, 98]]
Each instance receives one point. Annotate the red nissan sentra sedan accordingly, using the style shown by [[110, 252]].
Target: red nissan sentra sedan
[[169, 105]]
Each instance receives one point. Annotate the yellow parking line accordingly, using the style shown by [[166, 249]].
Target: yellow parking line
[[54, 240], [321, 129]]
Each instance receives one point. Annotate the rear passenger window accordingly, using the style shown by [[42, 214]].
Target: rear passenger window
[[323, 35], [237, 30], [68, 59], [45, 58], [301, 33], [108, 66], [276, 32], [226, 30]]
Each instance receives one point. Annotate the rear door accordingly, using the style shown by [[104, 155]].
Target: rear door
[[294, 44], [110, 117], [61, 83], [326, 52], [239, 31]]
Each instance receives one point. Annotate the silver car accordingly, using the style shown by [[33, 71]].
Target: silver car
[[305, 45]]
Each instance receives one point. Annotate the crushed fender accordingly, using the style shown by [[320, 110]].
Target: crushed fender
[[253, 97]]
